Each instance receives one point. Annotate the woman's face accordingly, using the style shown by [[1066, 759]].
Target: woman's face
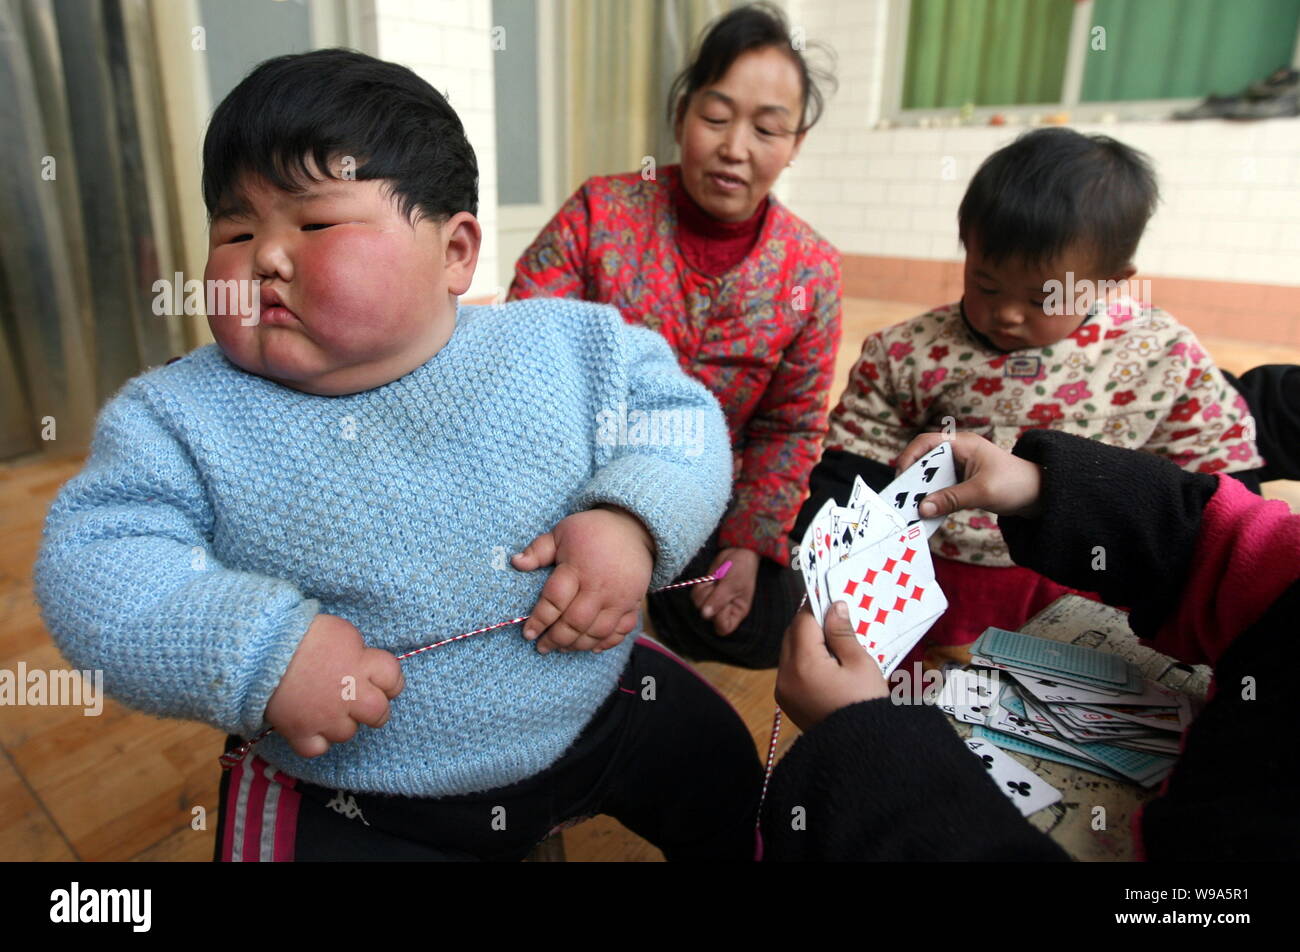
[[739, 133]]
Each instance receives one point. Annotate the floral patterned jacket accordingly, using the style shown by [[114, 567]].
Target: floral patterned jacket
[[1126, 376], [762, 337]]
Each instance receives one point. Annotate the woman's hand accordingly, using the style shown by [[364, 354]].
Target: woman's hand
[[728, 602], [992, 478], [823, 671]]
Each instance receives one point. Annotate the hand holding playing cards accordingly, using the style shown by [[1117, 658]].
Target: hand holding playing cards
[[333, 684], [822, 672], [992, 479], [603, 561], [728, 601]]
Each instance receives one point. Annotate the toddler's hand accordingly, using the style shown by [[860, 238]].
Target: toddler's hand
[[992, 478], [824, 670], [603, 561], [334, 684]]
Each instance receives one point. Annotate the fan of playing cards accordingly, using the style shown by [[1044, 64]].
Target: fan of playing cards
[[874, 554]]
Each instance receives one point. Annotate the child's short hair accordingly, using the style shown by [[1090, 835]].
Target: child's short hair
[[1055, 188], [328, 104]]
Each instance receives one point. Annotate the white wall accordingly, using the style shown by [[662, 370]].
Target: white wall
[[448, 43], [1231, 191]]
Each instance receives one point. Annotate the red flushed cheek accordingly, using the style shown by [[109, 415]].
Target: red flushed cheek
[[359, 286]]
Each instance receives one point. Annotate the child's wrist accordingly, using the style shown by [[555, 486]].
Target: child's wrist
[[642, 531]]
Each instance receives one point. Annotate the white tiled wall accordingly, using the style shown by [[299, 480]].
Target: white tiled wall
[[448, 43], [1231, 191]]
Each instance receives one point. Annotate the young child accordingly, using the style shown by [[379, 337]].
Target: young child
[[1019, 352], [263, 524]]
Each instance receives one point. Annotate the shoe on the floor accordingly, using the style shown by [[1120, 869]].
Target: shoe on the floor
[[1278, 107], [1214, 107], [1281, 81]]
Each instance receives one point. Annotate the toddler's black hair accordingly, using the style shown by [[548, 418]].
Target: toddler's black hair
[[332, 103], [1054, 189], [755, 26]]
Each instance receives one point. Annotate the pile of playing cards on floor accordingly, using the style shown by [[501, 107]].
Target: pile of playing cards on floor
[[874, 554], [1068, 703]]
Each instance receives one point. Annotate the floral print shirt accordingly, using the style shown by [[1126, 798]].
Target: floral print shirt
[[1127, 376], [762, 337]]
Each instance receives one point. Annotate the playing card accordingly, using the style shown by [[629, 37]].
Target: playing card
[[1153, 745], [1160, 718], [1022, 786], [1047, 688], [1142, 767], [1022, 746], [966, 695], [1056, 681], [844, 530], [1008, 714], [891, 594], [1043, 714], [814, 557], [1054, 657], [873, 521], [933, 471]]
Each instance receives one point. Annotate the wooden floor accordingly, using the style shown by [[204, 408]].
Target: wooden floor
[[125, 785]]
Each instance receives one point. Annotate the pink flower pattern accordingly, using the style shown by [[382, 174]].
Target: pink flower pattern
[[1164, 396], [931, 378], [1072, 393]]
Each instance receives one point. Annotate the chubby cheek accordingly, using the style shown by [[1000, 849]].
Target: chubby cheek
[[233, 332], [364, 290]]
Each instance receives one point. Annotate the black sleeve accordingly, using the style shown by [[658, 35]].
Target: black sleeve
[[1232, 795], [879, 781], [1118, 522], [832, 478], [1273, 394]]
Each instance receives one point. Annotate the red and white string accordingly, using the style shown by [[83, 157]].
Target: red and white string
[[771, 751], [232, 757]]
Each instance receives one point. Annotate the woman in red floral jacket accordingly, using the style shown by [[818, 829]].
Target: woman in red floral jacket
[[747, 295]]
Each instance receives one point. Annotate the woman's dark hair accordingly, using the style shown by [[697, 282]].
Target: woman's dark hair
[[1053, 189], [332, 103], [755, 26]]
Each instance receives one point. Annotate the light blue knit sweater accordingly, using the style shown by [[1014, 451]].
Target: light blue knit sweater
[[219, 512]]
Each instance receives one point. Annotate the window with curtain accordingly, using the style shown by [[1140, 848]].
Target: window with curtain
[[1015, 52], [986, 52], [1171, 49]]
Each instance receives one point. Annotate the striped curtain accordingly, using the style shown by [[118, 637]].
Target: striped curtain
[[620, 60], [985, 52], [1167, 49]]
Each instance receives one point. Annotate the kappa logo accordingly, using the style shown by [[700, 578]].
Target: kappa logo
[[346, 804]]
